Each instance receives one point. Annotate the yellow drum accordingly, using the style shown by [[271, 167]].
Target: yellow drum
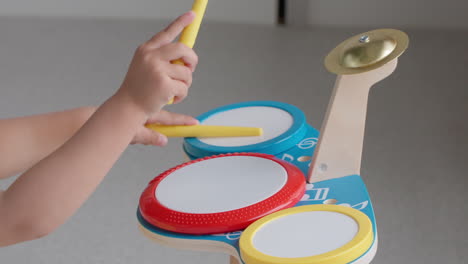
[[311, 234]]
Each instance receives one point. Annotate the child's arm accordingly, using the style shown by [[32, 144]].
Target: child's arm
[[25, 141], [46, 195]]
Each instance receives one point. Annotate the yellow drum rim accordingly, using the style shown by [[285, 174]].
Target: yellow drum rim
[[359, 245]]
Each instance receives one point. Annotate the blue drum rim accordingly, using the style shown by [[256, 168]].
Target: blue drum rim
[[287, 140]]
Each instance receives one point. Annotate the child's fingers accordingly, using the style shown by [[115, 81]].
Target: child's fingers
[[169, 118], [171, 32], [180, 73], [176, 51], [176, 27], [156, 139], [180, 91], [146, 136]]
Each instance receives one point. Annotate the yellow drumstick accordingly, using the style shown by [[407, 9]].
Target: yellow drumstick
[[189, 34], [206, 131]]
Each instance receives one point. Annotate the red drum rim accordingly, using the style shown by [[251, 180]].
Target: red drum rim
[[211, 223]]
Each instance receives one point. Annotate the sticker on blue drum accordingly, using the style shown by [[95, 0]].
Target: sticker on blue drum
[[286, 133]]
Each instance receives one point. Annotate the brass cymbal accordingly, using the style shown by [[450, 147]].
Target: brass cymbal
[[366, 51]]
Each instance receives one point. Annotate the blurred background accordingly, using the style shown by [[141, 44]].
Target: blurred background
[[56, 55], [432, 14]]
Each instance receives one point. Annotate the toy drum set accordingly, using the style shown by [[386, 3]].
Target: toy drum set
[[289, 196]]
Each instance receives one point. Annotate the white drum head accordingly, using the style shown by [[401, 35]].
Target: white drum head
[[221, 184], [308, 234], [305, 234], [273, 121]]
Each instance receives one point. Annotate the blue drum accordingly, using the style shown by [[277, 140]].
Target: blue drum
[[286, 133]]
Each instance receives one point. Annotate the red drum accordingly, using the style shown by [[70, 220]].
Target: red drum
[[222, 193]]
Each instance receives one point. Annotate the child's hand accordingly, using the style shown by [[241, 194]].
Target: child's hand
[[147, 136], [152, 80]]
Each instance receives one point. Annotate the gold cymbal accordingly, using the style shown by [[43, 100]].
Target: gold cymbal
[[366, 51]]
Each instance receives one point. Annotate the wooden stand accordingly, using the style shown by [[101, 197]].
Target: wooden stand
[[233, 260], [339, 149]]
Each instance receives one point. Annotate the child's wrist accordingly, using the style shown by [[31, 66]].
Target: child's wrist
[[126, 102]]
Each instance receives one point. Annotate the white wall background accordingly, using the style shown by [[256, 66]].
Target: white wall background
[[364, 13], [239, 11], [446, 14]]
